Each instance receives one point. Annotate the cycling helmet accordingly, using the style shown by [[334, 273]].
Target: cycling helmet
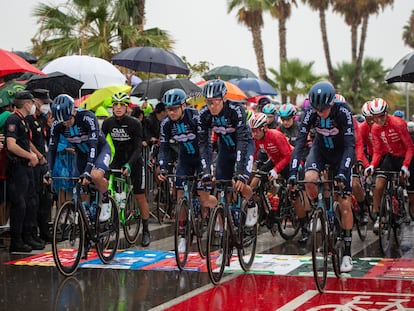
[[321, 95], [269, 109], [121, 97], [62, 108], [174, 97], [378, 106], [366, 112], [339, 98], [360, 118], [214, 89], [287, 111], [410, 125], [399, 113], [258, 120]]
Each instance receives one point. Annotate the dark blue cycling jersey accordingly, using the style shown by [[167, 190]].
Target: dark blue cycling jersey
[[234, 135], [334, 138], [84, 135], [185, 133]]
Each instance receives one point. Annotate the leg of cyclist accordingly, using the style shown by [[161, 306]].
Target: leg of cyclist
[[347, 224], [359, 195], [138, 181]]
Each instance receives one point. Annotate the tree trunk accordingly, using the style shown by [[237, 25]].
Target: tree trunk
[[258, 49], [326, 45], [282, 44], [358, 64], [354, 42]]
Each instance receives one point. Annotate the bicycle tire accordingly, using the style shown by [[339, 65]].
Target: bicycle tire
[[337, 243], [182, 211], [384, 229], [132, 219], [362, 228], [200, 232], [320, 249], [247, 237], [288, 225], [68, 239], [161, 201], [217, 245], [107, 234]]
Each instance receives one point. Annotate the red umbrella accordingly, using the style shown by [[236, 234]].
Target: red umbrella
[[12, 63]]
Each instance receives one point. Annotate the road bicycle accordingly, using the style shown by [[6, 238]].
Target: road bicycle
[[393, 214], [166, 199], [327, 239], [121, 188], [76, 229], [189, 222], [284, 220], [227, 230]]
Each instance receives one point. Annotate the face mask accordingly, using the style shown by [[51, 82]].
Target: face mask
[[44, 109], [32, 110], [110, 111], [100, 122]]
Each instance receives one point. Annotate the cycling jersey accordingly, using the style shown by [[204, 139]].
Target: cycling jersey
[[290, 133], [277, 148], [334, 140], [235, 138], [185, 133], [84, 135], [367, 143], [392, 138]]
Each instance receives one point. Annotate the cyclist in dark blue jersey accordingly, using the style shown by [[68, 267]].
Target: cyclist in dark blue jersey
[[334, 144], [235, 145], [182, 125], [81, 129]]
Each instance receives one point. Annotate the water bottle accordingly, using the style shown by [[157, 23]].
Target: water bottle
[[91, 210], [196, 207], [235, 211]]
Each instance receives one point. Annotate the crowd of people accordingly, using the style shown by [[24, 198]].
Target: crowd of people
[[224, 140]]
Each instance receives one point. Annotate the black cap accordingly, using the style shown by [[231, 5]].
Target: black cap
[[42, 94], [22, 95]]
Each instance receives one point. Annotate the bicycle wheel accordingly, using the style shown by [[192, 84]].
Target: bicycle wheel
[[217, 244], [132, 219], [200, 226], [68, 239], [362, 228], [182, 230], [337, 244], [288, 226], [247, 237], [384, 229], [107, 233], [319, 249]]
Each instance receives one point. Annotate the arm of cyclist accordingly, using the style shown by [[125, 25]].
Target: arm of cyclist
[[164, 155]]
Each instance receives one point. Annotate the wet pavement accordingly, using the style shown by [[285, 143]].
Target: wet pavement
[[25, 287]]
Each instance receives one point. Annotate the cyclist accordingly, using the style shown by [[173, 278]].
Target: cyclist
[[393, 150], [235, 145], [126, 134], [81, 129], [270, 111], [334, 144], [399, 114], [182, 124], [289, 126]]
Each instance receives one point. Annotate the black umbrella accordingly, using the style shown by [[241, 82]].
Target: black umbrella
[[57, 83], [155, 89], [151, 59], [403, 71], [28, 57], [228, 72]]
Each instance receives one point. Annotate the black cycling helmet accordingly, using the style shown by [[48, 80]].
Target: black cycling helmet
[[321, 95], [214, 89], [62, 108], [174, 97]]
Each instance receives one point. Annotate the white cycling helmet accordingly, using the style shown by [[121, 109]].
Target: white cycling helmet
[[378, 106], [366, 111]]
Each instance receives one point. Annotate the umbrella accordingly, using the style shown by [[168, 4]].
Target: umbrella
[[228, 72], [99, 96], [151, 59], [57, 83], [12, 63], [94, 72], [156, 89], [403, 71], [233, 91], [28, 57], [256, 85], [8, 91]]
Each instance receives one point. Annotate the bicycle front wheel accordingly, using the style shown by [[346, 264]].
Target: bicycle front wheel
[[247, 237], [320, 249], [217, 244], [288, 225], [384, 229], [183, 236], [337, 243], [68, 239], [132, 219], [107, 233]]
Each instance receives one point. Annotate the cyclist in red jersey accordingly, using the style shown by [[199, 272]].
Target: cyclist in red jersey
[[365, 155], [393, 149]]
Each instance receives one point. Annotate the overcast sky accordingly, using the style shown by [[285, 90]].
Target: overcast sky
[[203, 31]]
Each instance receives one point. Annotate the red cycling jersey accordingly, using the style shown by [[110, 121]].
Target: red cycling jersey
[[392, 138], [366, 138], [277, 148]]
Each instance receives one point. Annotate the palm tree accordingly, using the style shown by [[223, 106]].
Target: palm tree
[[322, 6], [250, 14], [294, 78], [408, 34]]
